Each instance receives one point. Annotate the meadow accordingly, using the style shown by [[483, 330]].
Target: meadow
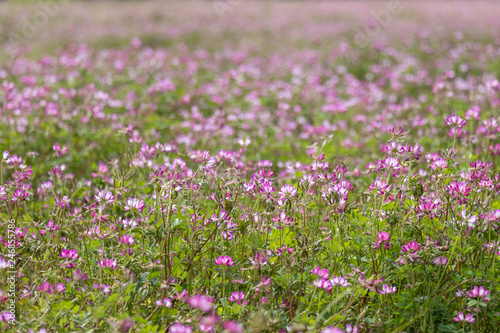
[[237, 166]]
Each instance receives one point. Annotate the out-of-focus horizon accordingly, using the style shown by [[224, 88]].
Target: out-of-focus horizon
[[45, 26]]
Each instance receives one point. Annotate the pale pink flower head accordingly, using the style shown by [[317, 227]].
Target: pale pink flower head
[[387, 289], [108, 263], [166, 302], [332, 330], [201, 302], [469, 318], [59, 151], [441, 261], [287, 191], [134, 203], [233, 327], [46, 288], [179, 328], [105, 197]]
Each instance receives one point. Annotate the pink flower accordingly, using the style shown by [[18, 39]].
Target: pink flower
[[383, 238], [105, 197], [127, 240], [323, 284], [381, 186], [410, 247], [350, 329], [441, 260], [238, 297], [224, 260], [387, 289], [201, 302], [455, 121], [7, 316], [479, 292], [287, 191], [339, 281], [59, 151], [179, 328], [233, 327], [60, 288], [108, 263], [134, 203], [46, 288], [322, 273], [166, 302], [332, 330], [469, 318]]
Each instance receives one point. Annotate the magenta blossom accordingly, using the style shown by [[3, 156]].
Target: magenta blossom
[[469, 318], [383, 238], [410, 247], [108, 263], [238, 297], [479, 292], [224, 260]]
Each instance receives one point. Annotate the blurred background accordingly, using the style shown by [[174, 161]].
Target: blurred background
[[38, 27]]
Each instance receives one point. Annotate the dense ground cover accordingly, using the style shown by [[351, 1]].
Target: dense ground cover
[[210, 181]]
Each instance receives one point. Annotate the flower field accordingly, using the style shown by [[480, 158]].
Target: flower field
[[255, 167]]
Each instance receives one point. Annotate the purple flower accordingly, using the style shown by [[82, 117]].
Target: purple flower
[[104, 197], [126, 239], [321, 272], [108, 263], [387, 289], [339, 281], [441, 260], [224, 260], [455, 121], [350, 329], [60, 288], [479, 292], [46, 288], [166, 302], [287, 191], [134, 203], [469, 318], [383, 238], [238, 297], [7, 316], [411, 247]]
